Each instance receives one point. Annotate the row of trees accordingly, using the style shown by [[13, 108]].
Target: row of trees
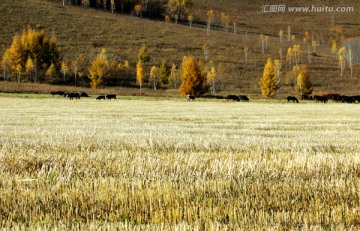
[[346, 51], [142, 8], [33, 57], [32, 54]]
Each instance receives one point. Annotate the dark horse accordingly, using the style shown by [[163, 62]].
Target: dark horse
[[292, 99], [191, 97], [233, 97], [321, 99]]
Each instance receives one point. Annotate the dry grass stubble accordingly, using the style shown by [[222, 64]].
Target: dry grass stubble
[[165, 164]]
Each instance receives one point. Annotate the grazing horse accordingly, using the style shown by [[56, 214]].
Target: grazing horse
[[306, 97], [347, 99], [356, 98], [243, 98], [232, 97], [72, 95], [100, 97], [83, 94], [110, 96], [57, 93], [191, 97], [321, 99], [292, 99]]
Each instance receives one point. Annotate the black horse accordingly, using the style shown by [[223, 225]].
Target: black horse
[[292, 99], [232, 97]]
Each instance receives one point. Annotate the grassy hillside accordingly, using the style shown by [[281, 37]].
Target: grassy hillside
[[86, 31]]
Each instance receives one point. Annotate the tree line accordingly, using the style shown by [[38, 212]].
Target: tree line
[[141, 8], [35, 57]]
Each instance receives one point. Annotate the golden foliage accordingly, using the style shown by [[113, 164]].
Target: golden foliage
[[140, 74], [269, 81], [193, 80], [303, 83], [97, 69]]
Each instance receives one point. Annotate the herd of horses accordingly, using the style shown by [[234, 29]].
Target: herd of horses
[[326, 97], [78, 94], [238, 98]]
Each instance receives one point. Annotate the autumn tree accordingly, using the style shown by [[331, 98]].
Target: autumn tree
[[303, 83], [34, 45], [190, 18], [17, 56], [336, 34], [277, 66], [269, 83], [350, 58], [341, 58], [262, 39], [246, 49], [211, 79], [64, 69], [174, 77], [137, 10], [281, 35], [210, 18], [113, 73], [29, 68], [296, 50], [164, 72], [98, 69], [143, 54], [112, 5], [5, 64], [193, 78], [179, 8], [288, 33], [140, 74], [51, 73], [225, 20], [154, 77], [289, 56], [82, 63], [85, 3], [75, 69]]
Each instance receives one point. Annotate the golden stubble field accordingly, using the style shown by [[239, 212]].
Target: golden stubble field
[[168, 164]]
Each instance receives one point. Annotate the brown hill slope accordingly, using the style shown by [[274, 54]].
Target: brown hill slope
[[81, 30]]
